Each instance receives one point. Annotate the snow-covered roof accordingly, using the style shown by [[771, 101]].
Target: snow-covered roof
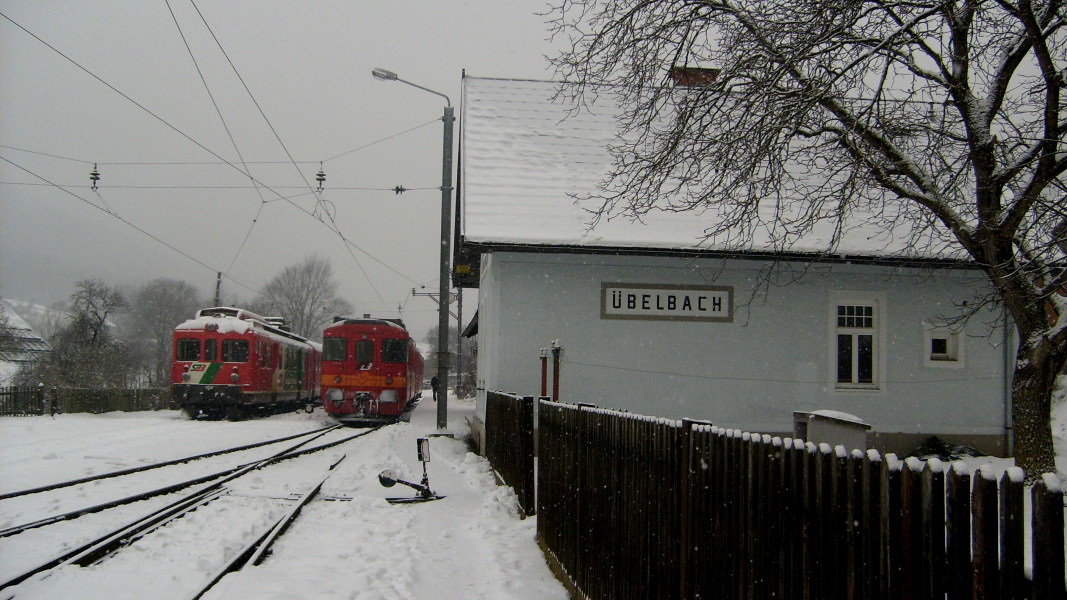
[[25, 344], [526, 157]]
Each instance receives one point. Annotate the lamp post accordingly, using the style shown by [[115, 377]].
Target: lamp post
[[443, 361]]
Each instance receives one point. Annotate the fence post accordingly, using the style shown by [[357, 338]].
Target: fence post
[[527, 455], [984, 533], [1047, 527], [685, 480], [933, 544], [958, 540], [1012, 579]]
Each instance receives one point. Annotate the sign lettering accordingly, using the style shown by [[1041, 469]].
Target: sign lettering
[[666, 302]]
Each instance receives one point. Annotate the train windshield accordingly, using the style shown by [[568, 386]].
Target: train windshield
[[395, 351], [210, 350], [365, 351], [188, 350], [334, 348], [235, 351]]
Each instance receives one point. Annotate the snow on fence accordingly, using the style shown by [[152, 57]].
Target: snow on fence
[[636, 507], [31, 401]]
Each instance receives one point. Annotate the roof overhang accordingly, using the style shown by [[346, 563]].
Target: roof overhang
[[472, 251]]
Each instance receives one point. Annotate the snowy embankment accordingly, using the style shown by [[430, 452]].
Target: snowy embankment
[[468, 545]]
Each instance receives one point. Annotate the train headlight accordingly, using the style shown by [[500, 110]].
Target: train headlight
[[185, 377], [335, 395], [387, 396], [235, 378]]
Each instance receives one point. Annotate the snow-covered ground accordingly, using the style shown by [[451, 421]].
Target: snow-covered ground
[[470, 545]]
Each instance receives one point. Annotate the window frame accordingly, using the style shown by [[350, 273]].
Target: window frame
[[953, 358], [331, 344], [359, 354], [877, 333], [387, 352], [180, 353], [228, 350]]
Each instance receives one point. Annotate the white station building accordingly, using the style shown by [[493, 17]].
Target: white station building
[[655, 320]]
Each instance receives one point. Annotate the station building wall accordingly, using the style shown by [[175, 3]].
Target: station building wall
[[778, 352]]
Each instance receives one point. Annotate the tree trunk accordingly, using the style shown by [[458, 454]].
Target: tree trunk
[[1032, 387]]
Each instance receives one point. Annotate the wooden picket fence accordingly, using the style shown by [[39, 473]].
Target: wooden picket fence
[[509, 445], [34, 401], [637, 507]]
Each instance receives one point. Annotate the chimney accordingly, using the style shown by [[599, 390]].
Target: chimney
[[693, 76]]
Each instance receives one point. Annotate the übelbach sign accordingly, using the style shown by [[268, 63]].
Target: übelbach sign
[[666, 302]]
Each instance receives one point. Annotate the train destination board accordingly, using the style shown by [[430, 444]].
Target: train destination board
[[666, 302]]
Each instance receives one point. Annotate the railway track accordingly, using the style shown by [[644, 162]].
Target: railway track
[[177, 461], [144, 495], [112, 542]]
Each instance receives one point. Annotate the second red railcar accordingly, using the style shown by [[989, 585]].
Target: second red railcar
[[371, 371]]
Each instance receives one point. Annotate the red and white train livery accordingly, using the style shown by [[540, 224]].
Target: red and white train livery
[[229, 362]]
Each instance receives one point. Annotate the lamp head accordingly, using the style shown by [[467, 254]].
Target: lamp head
[[384, 74]]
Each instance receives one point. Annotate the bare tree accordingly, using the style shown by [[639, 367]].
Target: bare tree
[[942, 118], [85, 352], [157, 307], [305, 294]]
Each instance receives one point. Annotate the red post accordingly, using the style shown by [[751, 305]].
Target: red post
[[544, 371]]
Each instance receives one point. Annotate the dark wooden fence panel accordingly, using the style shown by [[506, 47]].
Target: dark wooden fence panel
[[509, 444], [33, 401], [22, 401], [637, 507]]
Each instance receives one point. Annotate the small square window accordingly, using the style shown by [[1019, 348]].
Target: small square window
[[943, 348]]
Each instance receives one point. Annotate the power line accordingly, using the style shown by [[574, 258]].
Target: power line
[[229, 134], [336, 230], [115, 215], [224, 187], [384, 139], [318, 197]]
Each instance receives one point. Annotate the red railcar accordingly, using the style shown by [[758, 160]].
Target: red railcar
[[371, 371], [229, 362]]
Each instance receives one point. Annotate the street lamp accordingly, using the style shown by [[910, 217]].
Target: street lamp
[[446, 213]]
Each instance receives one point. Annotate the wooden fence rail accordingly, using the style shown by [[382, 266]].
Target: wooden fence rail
[[31, 401], [636, 507]]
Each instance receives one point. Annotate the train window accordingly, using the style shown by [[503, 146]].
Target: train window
[[395, 351], [210, 350], [365, 351], [188, 350], [235, 350], [334, 348]]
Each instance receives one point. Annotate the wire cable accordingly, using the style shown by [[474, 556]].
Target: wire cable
[[222, 187], [318, 197], [115, 215], [229, 134], [194, 141], [348, 243]]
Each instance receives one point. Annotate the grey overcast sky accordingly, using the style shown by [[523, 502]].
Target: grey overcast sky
[[308, 66]]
